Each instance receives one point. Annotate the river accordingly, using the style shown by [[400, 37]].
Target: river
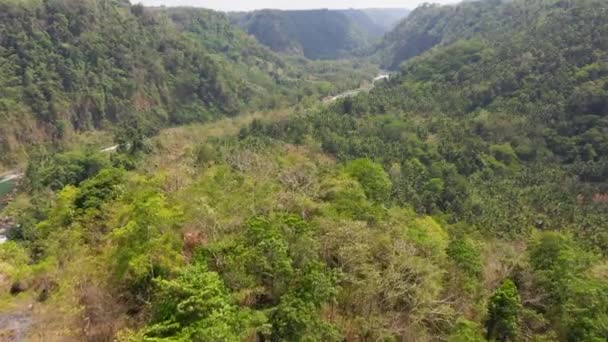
[[8, 182], [7, 185]]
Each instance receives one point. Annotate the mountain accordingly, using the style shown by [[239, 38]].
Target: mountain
[[387, 18], [364, 22], [376, 21], [317, 34], [430, 25], [516, 58]]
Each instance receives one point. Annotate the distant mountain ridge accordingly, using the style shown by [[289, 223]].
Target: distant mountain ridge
[[430, 25], [387, 18], [319, 33]]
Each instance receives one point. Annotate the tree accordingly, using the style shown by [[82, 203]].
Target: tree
[[146, 245], [503, 313], [574, 302], [373, 178], [466, 331], [69, 168], [276, 266], [465, 254], [196, 306]]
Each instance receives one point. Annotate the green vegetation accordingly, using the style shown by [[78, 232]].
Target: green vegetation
[[464, 199], [494, 21], [504, 307], [457, 140]]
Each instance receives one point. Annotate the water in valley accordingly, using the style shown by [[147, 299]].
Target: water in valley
[[7, 185]]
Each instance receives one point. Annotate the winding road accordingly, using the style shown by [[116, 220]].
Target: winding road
[[382, 76]]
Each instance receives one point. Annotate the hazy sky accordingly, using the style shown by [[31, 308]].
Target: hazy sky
[[246, 5]]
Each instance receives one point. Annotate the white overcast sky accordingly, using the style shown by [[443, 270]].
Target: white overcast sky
[[246, 5]]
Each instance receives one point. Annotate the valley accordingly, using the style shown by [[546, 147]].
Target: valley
[[184, 174]]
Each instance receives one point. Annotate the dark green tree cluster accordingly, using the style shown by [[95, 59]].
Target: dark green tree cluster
[[275, 265]]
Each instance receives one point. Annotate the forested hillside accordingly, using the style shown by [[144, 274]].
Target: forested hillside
[[494, 111], [463, 199], [68, 66], [500, 130], [431, 25], [317, 34], [73, 65]]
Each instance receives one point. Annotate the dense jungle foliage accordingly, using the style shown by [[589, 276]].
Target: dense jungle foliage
[[463, 199]]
